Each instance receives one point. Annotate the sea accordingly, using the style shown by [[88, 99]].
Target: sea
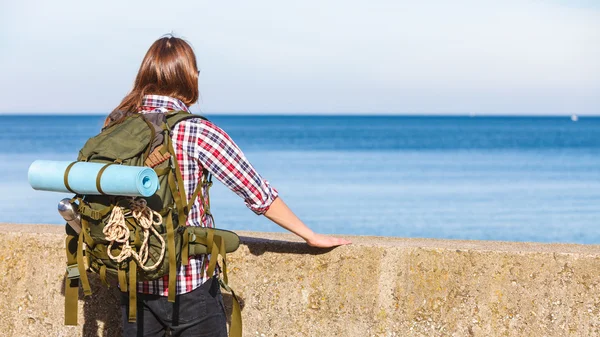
[[476, 178]]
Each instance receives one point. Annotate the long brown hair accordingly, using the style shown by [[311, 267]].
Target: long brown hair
[[169, 68]]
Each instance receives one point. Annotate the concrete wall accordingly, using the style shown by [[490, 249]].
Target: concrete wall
[[375, 287]]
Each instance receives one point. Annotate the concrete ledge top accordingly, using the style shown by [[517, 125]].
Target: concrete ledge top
[[397, 242]]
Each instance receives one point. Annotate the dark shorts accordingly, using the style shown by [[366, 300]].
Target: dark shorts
[[198, 313]]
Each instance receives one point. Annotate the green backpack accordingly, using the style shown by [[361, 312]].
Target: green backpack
[[137, 239]]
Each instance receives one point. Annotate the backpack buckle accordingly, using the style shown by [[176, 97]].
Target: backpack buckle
[[72, 272]]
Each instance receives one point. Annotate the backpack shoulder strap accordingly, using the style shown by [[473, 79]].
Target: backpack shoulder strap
[[172, 119], [178, 116]]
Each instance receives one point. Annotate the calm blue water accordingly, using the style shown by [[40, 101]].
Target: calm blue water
[[492, 178]]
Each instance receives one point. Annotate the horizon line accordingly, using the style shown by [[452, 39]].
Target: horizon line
[[323, 114]]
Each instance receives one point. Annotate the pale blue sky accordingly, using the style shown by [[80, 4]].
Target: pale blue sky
[[410, 57]]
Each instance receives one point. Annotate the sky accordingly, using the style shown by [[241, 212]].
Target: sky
[[531, 57]]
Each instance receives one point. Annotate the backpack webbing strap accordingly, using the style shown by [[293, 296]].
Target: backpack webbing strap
[[85, 283], [66, 177], [98, 187], [185, 252], [132, 291], [235, 329], [185, 249], [177, 188], [122, 279], [162, 171], [87, 238], [137, 241], [93, 214], [208, 186], [171, 254], [179, 116], [214, 253], [204, 181], [183, 197], [71, 282], [103, 275]]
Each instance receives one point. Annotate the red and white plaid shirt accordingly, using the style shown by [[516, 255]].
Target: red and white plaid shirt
[[200, 144]]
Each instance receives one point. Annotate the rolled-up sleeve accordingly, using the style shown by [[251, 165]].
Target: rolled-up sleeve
[[217, 152]]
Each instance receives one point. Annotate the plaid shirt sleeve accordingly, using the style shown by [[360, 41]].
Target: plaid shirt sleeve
[[217, 152]]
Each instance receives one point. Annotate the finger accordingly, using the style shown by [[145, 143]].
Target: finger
[[336, 241], [339, 241]]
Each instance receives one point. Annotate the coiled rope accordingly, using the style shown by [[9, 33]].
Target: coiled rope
[[116, 231]]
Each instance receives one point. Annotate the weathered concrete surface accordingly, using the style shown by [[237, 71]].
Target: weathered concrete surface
[[375, 287]]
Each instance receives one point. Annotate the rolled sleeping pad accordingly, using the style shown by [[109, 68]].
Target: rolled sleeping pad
[[133, 181]]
